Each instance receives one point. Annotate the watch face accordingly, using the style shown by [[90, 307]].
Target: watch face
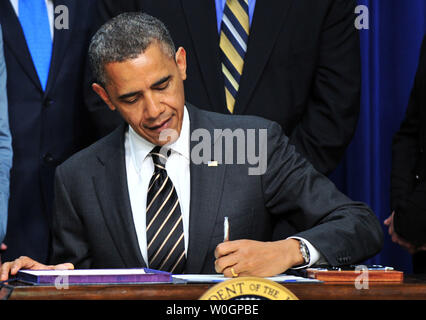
[[305, 252]]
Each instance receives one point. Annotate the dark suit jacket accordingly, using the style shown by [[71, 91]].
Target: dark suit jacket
[[93, 225], [409, 163], [302, 67], [47, 127]]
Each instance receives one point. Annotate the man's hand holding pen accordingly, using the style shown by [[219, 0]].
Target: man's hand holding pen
[[255, 258]]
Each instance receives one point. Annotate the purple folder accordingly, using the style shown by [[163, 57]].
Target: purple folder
[[93, 276]]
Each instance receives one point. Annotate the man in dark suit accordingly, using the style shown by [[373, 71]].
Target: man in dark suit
[[301, 68], [407, 224], [103, 208], [45, 52]]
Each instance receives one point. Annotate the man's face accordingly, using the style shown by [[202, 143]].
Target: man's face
[[148, 91]]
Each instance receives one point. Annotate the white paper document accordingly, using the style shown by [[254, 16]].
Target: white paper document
[[209, 278]]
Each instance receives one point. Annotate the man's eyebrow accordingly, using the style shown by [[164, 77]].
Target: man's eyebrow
[[161, 81]]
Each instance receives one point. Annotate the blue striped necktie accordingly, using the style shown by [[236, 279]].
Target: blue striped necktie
[[35, 24], [233, 44]]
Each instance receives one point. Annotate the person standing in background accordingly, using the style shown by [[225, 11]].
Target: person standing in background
[[45, 51], [5, 149], [407, 223]]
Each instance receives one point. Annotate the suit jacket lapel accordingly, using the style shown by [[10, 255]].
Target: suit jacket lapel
[[61, 39], [201, 20], [267, 22], [112, 191], [14, 40], [206, 191]]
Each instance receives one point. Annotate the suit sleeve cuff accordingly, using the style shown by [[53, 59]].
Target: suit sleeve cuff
[[315, 255]]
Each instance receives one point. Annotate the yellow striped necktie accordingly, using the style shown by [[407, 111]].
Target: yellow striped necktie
[[233, 44]]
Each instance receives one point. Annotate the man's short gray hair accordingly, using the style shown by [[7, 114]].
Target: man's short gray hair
[[126, 37]]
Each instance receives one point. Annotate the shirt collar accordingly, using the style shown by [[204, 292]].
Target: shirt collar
[[140, 147]]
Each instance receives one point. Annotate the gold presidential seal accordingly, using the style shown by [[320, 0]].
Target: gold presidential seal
[[248, 288]]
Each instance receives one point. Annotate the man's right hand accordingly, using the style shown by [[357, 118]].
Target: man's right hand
[[411, 248], [13, 267]]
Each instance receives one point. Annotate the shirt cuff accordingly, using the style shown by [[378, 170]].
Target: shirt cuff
[[314, 254]]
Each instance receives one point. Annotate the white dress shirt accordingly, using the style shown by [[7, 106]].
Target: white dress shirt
[[49, 7], [140, 168]]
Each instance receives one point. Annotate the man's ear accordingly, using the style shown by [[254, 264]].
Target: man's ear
[[103, 94], [180, 58]]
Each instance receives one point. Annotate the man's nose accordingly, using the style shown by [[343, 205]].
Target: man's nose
[[152, 108]]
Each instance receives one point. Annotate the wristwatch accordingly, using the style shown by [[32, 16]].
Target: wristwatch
[[304, 251]]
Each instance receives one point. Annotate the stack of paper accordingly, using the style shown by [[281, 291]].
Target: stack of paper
[[212, 278]]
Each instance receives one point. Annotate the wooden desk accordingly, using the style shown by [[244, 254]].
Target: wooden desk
[[413, 288]]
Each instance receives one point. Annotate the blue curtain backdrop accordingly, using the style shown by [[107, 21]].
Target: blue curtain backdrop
[[389, 51]]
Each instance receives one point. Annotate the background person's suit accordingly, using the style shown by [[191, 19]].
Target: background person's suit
[[408, 196], [93, 225], [47, 126], [5, 146], [302, 67]]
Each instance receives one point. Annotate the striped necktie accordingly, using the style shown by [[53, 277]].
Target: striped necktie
[[164, 226], [35, 25], [233, 44]]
